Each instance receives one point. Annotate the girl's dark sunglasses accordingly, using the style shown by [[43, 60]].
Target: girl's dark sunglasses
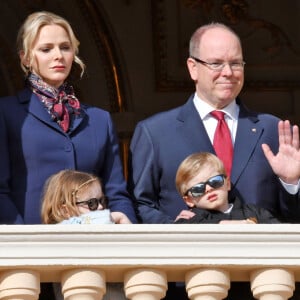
[[199, 189], [93, 203]]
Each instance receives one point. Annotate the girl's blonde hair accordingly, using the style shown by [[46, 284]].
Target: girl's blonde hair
[[190, 167], [30, 29], [60, 192]]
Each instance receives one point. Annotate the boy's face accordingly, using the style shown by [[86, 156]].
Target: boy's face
[[213, 198]]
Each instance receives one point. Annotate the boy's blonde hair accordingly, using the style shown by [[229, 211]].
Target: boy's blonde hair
[[60, 190], [29, 30], [190, 167]]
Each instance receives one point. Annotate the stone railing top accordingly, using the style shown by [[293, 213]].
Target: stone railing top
[[116, 248]]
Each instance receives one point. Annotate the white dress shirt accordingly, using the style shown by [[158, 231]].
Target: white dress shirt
[[210, 123]]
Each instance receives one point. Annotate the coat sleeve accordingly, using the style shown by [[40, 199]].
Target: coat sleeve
[[113, 178], [144, 178], [203, 216], [262, 215], [9, 213]]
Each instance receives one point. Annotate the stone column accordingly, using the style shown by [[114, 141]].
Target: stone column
[[20, 285], [87, 284], [272, 284], [208, 284], [145, 284]]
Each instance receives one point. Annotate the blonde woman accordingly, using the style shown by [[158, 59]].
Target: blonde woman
[[45, 128]]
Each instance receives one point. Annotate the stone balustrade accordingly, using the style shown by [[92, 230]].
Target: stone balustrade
[[83, 258]]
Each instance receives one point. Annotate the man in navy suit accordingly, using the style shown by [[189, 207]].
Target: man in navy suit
[[161, 142]]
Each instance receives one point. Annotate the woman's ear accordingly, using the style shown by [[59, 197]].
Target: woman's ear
[[25, 61]]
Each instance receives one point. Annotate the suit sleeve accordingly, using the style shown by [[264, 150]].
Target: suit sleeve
[[203, 216], [9, 213], [144, 177], [262, 215]]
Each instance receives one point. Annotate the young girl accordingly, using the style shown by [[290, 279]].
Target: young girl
[[74, 197]]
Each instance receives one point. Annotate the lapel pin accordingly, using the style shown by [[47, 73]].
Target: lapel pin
[[253, 129]]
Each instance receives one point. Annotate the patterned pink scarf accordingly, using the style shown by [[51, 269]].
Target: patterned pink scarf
[[61, 103]]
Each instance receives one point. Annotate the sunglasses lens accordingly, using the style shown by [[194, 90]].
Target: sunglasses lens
[[198, 190], [93, 204], [216, 181]]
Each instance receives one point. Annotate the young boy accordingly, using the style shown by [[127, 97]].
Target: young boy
[[202, 182]]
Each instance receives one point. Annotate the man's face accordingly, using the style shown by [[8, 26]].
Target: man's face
[[218, 87]]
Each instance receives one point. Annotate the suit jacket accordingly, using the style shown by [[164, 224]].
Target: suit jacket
[[239, 211], [33, 147], [161, 142]]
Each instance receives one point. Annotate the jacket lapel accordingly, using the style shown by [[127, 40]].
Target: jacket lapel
[[78, 120], [249, 131], [34, 107], [191, 128]]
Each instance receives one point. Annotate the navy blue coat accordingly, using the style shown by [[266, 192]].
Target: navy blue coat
[[239, 211], [161, 142], [33, 147]]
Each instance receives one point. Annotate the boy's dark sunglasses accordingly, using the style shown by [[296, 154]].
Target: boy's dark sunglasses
[[199, 189], [93, 203]]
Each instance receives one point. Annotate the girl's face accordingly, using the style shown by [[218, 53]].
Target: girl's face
[[53, 55], [92, 191]]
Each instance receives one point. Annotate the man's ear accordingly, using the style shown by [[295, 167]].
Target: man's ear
[[192, 67], [189, 202]]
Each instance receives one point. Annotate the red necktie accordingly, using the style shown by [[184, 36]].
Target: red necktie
[[222, 141]]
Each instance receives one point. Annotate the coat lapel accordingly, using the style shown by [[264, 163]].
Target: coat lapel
[[191, 128], [249, 131], [34, 107]]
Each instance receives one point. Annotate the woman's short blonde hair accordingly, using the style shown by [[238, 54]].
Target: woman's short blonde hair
[[190, 167], [29, 30], [61, 190]]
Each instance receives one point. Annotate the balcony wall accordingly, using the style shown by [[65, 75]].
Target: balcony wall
[[145, 257]]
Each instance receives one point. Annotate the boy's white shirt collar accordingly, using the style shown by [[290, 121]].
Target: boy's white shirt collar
[[228, 211]]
